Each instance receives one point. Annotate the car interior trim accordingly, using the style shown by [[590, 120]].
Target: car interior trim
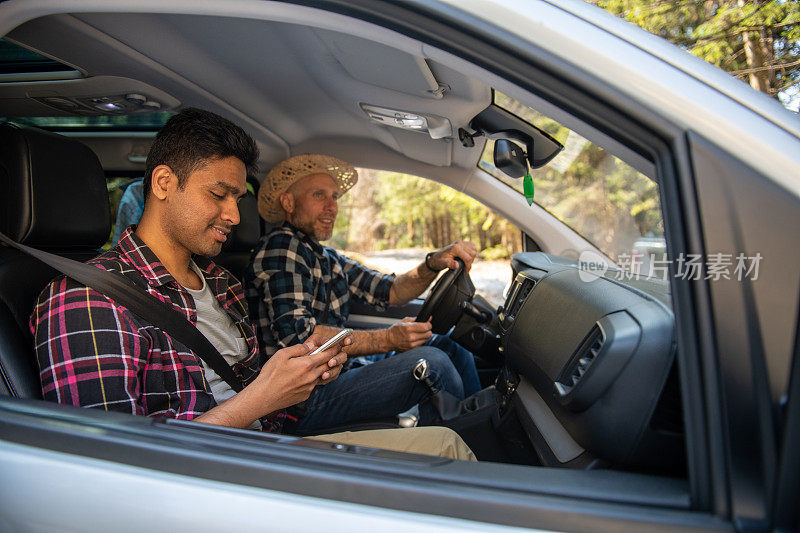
[[740, 310], [704, 432], [558, 439]]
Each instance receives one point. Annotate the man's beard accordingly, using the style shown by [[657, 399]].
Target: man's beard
[[310, 229]]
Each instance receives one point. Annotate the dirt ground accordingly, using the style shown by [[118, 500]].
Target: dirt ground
[[490, 277]]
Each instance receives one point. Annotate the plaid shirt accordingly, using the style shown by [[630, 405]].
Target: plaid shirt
[[93, 352], [293, 282]]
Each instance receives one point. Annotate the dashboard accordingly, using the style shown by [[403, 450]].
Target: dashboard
[[594, 356]]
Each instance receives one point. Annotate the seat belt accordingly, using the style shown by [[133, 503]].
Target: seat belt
[[144, 305]]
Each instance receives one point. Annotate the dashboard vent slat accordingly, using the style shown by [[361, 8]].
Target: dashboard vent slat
[[521, 294], [582, 360]]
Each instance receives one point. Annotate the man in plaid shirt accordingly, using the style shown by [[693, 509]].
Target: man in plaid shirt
[[296, 288], [93, 352]]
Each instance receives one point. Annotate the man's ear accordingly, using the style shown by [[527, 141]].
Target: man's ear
[[287, 202], [162, 179]]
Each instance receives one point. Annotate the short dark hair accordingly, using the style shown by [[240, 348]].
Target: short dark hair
[[194, 136]]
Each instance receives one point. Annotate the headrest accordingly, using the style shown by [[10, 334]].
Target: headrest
[[245, 235], [52, 190]]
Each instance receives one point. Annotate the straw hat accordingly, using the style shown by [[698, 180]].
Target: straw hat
[[288, 171]]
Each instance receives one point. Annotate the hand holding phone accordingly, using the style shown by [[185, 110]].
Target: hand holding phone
[[336, 339]]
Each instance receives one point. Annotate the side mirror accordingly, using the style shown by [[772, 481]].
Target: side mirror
[[509, 158]]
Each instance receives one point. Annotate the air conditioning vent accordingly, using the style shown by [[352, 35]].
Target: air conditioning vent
[[520, 294], [581, 361]]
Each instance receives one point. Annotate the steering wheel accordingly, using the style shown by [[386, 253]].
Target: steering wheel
[[445, 303]]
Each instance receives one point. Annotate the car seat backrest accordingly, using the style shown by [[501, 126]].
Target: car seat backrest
[[53, 196], [235, 254]]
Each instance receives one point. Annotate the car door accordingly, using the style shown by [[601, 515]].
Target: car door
[[721, 176]]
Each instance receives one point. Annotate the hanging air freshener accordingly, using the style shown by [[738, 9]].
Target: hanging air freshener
[[527, 186]]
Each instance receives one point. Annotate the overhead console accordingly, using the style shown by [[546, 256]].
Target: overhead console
[[99, 95], [593, 354]]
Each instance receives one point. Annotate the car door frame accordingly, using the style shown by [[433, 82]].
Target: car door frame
[[708, 411]]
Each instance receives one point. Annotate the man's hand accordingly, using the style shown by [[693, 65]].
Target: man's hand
[[291, 374], [286, 379], [446, 257], [408, 334], [336, 362]]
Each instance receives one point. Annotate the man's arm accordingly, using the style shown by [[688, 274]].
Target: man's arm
[[402, 336], [371, 286], [408, 286], [87, 349]]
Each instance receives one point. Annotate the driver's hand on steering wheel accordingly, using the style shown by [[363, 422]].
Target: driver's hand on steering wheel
[[446, 257], [408, 334]]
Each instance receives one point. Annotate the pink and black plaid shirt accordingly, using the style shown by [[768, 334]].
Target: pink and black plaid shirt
[[93, 352]]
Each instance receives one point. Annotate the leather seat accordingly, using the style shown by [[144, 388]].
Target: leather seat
[[235, 254], [53, 197]]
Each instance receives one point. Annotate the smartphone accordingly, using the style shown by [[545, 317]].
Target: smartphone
[[336, 339]]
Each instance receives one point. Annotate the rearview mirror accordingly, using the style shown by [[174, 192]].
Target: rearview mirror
[[496, 123], [509, 158]]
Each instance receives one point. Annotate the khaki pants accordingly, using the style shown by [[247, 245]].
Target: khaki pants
[[432, 440]]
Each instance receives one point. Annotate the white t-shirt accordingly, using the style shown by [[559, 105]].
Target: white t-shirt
[[215, 324]]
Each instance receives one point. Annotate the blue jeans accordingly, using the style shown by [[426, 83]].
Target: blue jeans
[[463, 360], [460, 356], [380, 391]]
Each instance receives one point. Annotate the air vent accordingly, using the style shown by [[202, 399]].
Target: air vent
[[519, 295], [582, 360], [597, 362]]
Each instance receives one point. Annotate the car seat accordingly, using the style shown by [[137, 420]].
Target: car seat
[[235, 254], [53, 197]]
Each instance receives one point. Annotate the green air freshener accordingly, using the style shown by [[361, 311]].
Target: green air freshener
[[527, 187]]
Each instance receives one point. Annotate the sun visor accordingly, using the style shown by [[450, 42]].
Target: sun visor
[[382, 65]]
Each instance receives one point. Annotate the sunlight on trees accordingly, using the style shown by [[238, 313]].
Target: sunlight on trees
[[387, 210], [756, 41]]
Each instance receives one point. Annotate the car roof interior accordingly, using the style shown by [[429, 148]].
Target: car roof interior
[[297, 88]]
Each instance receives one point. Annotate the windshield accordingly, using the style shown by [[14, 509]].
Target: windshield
[[599, 196]]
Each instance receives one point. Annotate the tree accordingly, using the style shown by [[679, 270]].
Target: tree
[[393, 210], [756, 41]]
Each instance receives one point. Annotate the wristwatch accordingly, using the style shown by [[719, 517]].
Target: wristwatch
[[428, 265]]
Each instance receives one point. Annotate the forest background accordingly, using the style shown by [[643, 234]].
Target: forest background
[[756, 41]]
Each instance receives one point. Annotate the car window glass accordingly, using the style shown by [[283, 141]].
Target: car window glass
[[117, 186], [599, 196], [389, 221], [15, 59], [146, 122]]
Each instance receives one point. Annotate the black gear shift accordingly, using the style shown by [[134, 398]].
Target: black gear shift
[[446, 405]]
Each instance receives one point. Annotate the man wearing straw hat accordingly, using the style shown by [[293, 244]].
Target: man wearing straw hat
[[296, 287]]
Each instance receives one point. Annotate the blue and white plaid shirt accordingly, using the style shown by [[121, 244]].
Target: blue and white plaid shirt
[[293, 283]]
